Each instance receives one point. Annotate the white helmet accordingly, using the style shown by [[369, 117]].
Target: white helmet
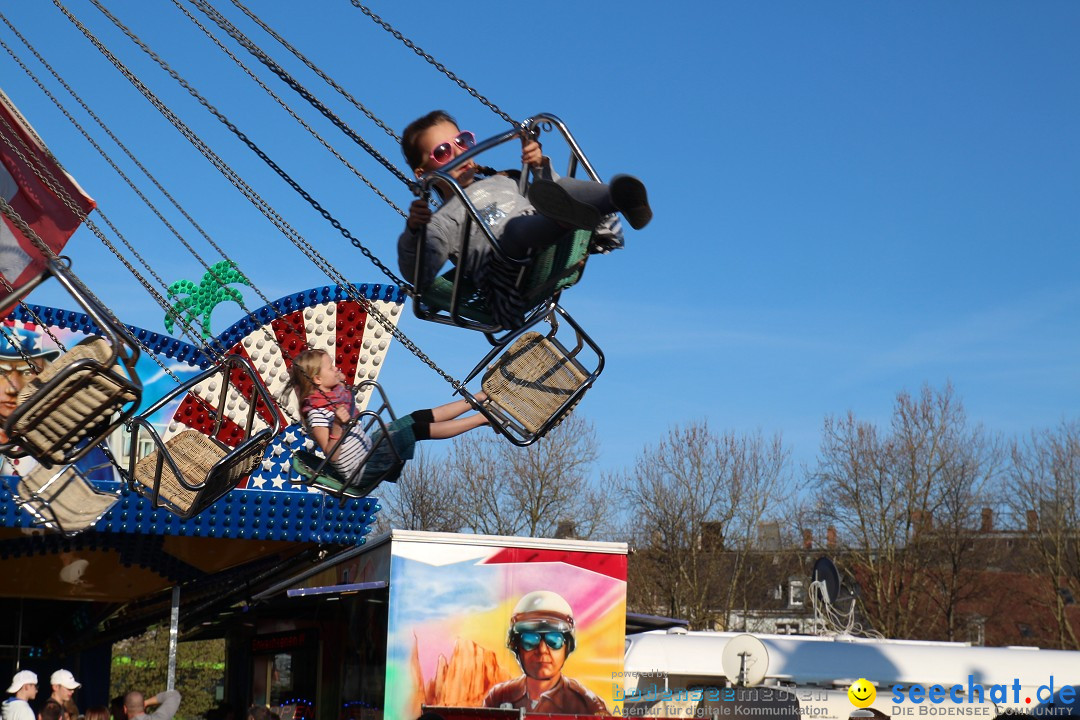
[[542, 611]]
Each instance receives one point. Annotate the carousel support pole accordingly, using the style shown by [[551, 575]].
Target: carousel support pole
[[174, 626], [18, 638]]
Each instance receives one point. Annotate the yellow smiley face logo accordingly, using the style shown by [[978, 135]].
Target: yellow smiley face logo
[[861, 693]]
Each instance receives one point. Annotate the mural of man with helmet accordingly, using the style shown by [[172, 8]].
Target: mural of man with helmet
[[542, 636]]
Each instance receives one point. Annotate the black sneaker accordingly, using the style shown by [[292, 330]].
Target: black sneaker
[[554, 202], [628, 194]]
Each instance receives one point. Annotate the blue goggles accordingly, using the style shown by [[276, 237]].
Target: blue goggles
[[531, 640]]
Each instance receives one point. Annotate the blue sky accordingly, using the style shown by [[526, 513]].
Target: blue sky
[[851, 198]]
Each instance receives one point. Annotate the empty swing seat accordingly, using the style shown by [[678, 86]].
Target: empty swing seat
[[72, 404], [194, 454], [63, 501], [205, 470], [193, 469], [533, 382]]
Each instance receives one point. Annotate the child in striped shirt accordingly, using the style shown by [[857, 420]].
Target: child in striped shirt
[[328, 406]]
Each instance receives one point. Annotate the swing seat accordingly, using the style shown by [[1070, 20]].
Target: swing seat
[[195, 454], [64, 501], [533, 382], [193, 469], [323, 476], [454, 299], [206, 469], [551, 271], [73, 404]]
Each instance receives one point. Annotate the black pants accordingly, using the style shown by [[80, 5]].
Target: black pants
[[526, 233]]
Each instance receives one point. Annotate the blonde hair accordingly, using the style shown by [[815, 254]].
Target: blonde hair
[[302, 374]]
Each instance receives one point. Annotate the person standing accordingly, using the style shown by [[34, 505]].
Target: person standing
[[64, 686], [24, 687], [167, 701]]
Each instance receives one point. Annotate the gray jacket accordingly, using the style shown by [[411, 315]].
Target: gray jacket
[[170, 703], [498, 200]]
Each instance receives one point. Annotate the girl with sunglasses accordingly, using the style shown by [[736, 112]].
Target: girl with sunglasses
[[521, 225]]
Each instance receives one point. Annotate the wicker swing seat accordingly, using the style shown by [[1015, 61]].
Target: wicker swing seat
[[202, 478], [72, 403], [63, 501], [533, 382]]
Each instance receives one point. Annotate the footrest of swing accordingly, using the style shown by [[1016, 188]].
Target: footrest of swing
[[330, 481], [56, 421], [195, 454], [532, 381]]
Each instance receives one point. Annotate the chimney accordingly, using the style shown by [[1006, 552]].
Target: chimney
[[987, 521], [1032, 521], [566, 530], [712, 536], [830, 537], [921, 521], [807, 539]]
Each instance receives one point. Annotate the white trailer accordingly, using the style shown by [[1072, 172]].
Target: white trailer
[[974, 681]]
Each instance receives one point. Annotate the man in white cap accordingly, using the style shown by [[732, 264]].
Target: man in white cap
[[24, 687], [64, 686]]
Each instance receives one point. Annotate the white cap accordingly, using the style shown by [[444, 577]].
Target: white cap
[[64, 678], [23, 677]]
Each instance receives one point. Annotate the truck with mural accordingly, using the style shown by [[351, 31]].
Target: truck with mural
[[442, 620]]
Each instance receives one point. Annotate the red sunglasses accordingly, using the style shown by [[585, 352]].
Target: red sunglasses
[[441, 154]]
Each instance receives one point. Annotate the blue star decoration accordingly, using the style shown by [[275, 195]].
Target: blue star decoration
[[274, 471]]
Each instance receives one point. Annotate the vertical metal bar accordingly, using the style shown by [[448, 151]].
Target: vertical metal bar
[[18, 638], [174, 622]]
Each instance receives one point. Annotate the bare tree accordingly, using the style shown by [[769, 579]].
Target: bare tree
[[905, 504], [1044, 487], [538, 491], [696, 499], [425, 497]]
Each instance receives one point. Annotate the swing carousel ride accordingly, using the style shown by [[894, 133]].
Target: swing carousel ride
[[138, 459]]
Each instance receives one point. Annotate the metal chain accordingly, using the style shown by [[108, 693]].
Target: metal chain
[[298, 240], [251, 145], [29, 233], [289, 110], [126, 151], [288, 79], [100, 150], [221, 282], [46, 176], [435, 63], [266, 332], [314, 68], [161, 300]]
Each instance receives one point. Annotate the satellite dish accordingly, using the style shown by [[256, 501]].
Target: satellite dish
[[826, 574], [745, 660]]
